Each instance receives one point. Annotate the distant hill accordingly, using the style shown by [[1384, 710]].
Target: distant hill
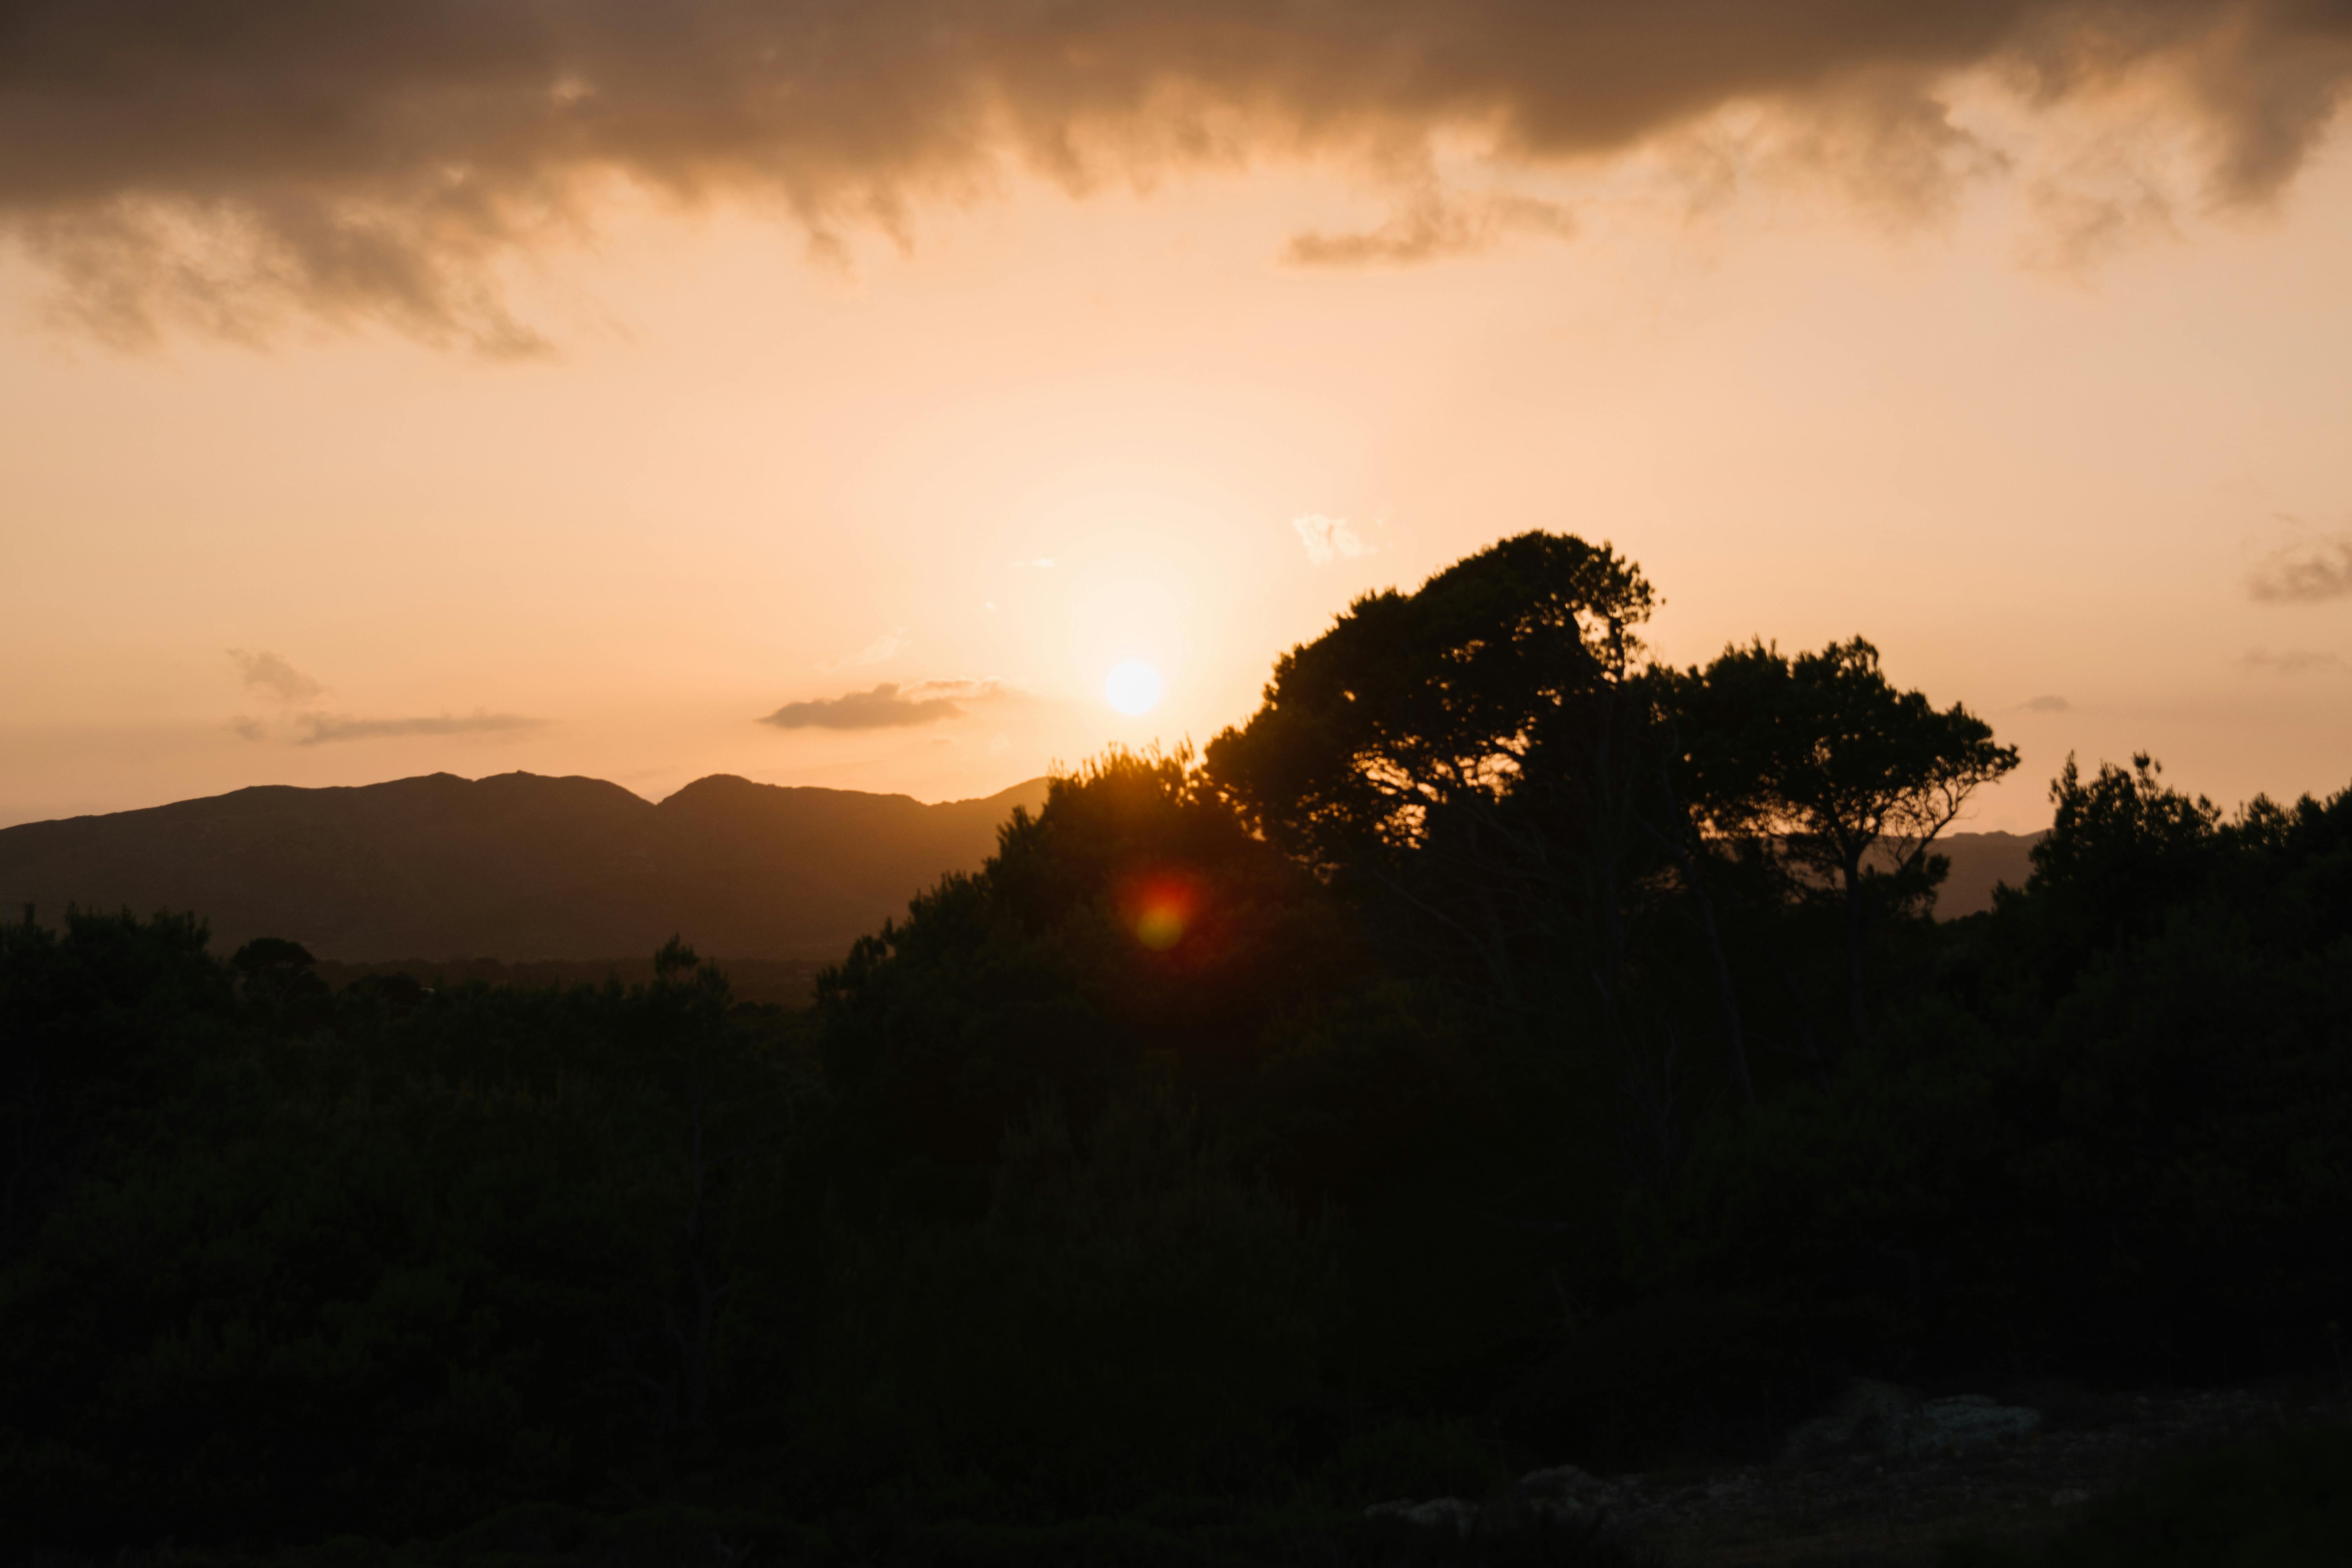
[[517, 867], [522, 867], [1979, 861]]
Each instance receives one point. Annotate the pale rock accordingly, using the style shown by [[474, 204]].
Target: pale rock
[[1892, 1420], [1449, 1514], [1966, 1421], [1560, 1495], [1868, 1415]]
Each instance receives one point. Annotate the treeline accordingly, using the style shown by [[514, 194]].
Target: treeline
[[790, 982], [1502, 1049]]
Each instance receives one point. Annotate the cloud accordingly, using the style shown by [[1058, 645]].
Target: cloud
[[249, 729], [2047, 705], [880, 649], [318, 729], [1042, 563], [1430, 226], [1328, 539], [887, 706], [2102, 204], [273, 678], [2291, 661], [245, 163], [2309, 572]]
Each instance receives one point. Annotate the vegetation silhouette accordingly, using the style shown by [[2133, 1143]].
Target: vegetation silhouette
[[1498, 1051]]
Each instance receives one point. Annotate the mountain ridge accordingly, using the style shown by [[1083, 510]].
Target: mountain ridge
[[1979, 862], [522, 866], [516, 865]]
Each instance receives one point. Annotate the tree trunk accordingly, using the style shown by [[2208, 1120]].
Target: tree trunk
[[1726, 997], [693, 1344], [1856, 1006], [1814, 1057]]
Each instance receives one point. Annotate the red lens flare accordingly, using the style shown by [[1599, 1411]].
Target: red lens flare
[[1160, 909]]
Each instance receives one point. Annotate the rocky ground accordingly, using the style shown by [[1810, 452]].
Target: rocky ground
[[1885, 1478], [1867, 1505]]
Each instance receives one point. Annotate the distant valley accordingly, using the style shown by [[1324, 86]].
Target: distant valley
[[517, 867]]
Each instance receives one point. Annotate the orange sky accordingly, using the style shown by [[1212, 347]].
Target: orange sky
[[2078, 458]]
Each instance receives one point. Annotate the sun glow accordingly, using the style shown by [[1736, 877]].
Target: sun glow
[[1133, 686]]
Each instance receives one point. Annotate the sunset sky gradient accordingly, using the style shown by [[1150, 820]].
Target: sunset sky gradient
[[836, 396]]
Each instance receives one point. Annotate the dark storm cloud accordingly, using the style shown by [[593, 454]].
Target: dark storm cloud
[[320, 728], [216, 159], [885, 707]]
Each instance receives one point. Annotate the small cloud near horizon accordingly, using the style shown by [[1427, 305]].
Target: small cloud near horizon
[[2046, 704], [249, 729], [2309, 572], [270, 675], [322, 727], [887, 706], [2291, 661], [1328, 539]]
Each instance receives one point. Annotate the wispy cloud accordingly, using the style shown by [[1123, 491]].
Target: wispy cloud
[[1430, 225], [2046, 705], [1040, 563], [887, 706], [2291, 661], [2309, 572], [270, 676], [319, 729], [1328, 539], [880, 650]]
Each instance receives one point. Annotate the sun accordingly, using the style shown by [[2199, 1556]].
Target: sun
[[1133, 686]]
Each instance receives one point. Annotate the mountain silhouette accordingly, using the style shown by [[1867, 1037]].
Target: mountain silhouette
[[516, 866], [1979, 860], [522, 867]]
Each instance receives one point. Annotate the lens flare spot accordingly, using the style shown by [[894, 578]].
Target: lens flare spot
[[1159, 927], [1161, 907], [1133, 686]]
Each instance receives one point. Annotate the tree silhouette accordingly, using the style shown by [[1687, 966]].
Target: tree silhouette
[[1823, 754], [1402, 744]]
